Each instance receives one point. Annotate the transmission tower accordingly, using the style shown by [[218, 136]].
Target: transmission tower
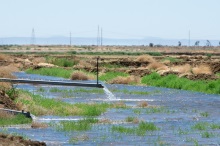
[[33, 37], [101, 36], [98, 39]]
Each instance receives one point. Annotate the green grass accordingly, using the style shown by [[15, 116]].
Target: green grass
[[120, 53], [39, 105], [62, 62], [201, 126], [83, 90], [56, 72], [204, 114], [141, 130], [207, 134], [14, 120], [81, 125], [153, 110], [111, 75], [173, 81], [171, 59]]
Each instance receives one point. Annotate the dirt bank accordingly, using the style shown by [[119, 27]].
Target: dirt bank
[[10, 140]]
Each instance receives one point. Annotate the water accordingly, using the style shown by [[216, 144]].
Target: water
[[109, 93], [179, 111]]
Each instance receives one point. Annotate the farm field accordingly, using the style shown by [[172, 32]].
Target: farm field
[[152, 96]]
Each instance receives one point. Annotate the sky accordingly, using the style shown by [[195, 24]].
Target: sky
[[168, 19]]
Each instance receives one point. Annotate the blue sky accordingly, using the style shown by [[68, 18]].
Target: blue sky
[[118, 18]]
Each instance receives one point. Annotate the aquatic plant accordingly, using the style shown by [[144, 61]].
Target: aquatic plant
[[141, 130], [201, 126], [204, 114], [153, 110], [207, 134], [132, 119], [83, 90], [126, 91], [81, 125], [215, 126]]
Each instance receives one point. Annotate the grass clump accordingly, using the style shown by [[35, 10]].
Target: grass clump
[[153, 110], [207, 134], [173, 81], [81, 125], [132, 120], [8, 119], [56, 72], [201, 126], [141, 130]]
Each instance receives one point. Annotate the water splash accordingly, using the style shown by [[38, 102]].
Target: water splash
[[109, 93]]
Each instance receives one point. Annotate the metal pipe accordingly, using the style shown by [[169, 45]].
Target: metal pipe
[[97, 71], [51, 82]]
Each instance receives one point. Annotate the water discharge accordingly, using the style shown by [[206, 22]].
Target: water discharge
[[109, 93]]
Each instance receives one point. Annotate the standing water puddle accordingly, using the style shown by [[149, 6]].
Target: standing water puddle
[[176, 113]]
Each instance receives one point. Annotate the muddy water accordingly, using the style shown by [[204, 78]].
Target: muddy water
[[179, 111]]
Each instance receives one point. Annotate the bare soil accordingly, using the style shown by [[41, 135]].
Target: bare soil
[[10, 140]]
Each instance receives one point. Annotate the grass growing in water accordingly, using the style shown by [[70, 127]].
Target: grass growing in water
[[56, 72], [14, 120], [39, 105], [125, 91], [81, 125], [173, 81], [141, 130]]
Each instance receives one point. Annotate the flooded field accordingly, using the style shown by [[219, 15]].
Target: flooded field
[[181, 117]]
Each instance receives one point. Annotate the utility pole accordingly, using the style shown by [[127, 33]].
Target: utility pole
[[98, 36], [70, 38], [189, 38], [101, 36], [33, 37]]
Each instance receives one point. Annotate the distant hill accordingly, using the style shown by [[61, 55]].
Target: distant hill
[[106, 41]]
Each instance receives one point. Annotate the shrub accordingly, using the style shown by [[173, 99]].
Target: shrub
[[145, 58], [79, 76], [202, 69]]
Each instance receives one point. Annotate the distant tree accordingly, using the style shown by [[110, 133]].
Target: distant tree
[[179, 44], [208, 43], [197, 43], [151, 45], [219, 43]]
